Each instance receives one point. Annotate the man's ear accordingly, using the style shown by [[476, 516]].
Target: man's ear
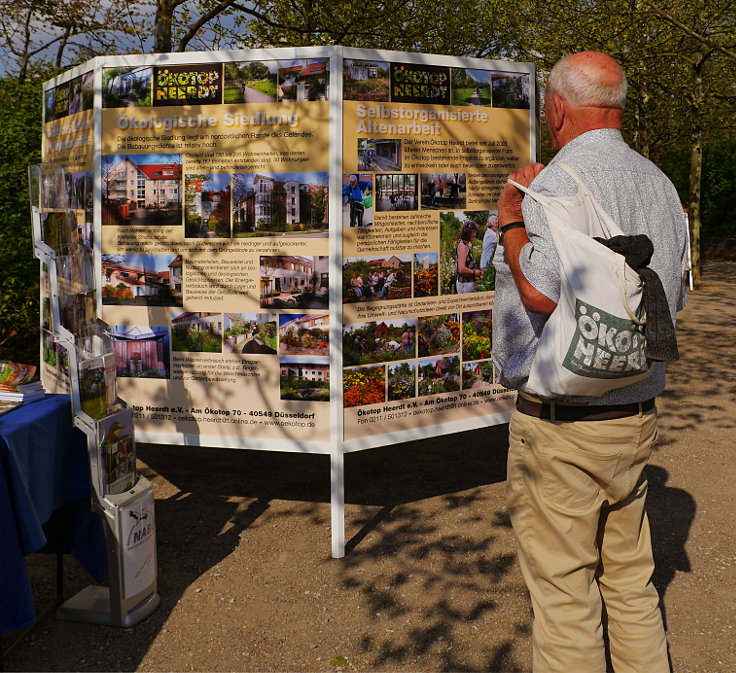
[[558, 103]]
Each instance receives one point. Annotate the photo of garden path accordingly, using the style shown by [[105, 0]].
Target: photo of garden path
[[471, 87], [250, 82], [250, 333], [431, 580]]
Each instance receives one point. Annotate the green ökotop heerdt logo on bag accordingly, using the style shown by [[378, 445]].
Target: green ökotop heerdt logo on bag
[[604, 346]]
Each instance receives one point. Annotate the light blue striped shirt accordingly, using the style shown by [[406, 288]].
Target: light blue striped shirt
[[641, 199]]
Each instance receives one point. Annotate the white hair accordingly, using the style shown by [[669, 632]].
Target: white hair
[[578, 88]]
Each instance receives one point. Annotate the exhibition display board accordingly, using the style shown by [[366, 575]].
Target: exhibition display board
[[294, 245]]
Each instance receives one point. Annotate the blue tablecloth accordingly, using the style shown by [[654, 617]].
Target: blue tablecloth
[[43, 466]]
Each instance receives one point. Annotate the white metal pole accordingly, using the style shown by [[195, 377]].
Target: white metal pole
[[337, 451], [337, 502]]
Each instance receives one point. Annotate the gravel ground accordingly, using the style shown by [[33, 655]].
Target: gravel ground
[[431, 582]]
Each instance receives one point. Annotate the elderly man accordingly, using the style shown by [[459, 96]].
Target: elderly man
[[576, 481], [490, 242]]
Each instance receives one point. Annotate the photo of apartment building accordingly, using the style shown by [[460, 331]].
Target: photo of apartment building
[[280, 203], [303, 80], [304, 379], [141, 189], [207, 206], [304, 370]]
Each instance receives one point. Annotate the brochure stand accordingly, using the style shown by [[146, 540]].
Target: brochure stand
[[122, 498]]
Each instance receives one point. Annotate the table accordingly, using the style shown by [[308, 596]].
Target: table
[[43, 468]]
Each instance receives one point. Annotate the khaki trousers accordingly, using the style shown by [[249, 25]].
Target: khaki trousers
[[576, 494]]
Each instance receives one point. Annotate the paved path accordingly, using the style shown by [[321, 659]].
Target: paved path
[[255, 96]]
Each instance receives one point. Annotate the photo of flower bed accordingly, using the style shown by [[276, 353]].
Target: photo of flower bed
[[301, 334], [364, 386], [402, 381], [196, 332], [426, 274], [438, 375], [477, 335], [438, 334]]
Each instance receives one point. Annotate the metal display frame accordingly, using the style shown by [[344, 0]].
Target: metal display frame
[[337, 446]]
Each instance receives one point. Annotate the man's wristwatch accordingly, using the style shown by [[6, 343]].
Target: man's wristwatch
[[507, 227]]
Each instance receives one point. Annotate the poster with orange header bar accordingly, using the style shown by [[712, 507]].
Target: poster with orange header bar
[[427, 145]]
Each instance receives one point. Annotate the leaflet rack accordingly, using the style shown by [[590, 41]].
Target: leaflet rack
[[85, 363]]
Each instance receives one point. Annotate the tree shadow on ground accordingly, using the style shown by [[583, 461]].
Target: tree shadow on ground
[[441, 571], [207, 498]]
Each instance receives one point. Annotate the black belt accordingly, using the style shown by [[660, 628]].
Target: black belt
[[568, 412]]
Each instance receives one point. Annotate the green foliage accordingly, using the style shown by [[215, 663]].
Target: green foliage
[[20, 146], [267, 333], [304, 389], [718, 202], [191, 341]]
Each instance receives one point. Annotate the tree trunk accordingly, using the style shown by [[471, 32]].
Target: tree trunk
[[61, 48], [696, 169], [162, 31], [642, 120]]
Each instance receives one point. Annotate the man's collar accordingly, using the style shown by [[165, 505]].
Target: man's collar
[[594, 136]]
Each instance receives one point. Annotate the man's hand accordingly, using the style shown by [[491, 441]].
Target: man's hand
[[509, 210], [509, 203]]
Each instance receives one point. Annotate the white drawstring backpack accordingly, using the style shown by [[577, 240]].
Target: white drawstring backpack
[[592, 341]]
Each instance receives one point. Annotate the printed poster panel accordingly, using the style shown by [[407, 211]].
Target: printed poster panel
[[426, 150], [68, 142], [69, 123], [215, 249]]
